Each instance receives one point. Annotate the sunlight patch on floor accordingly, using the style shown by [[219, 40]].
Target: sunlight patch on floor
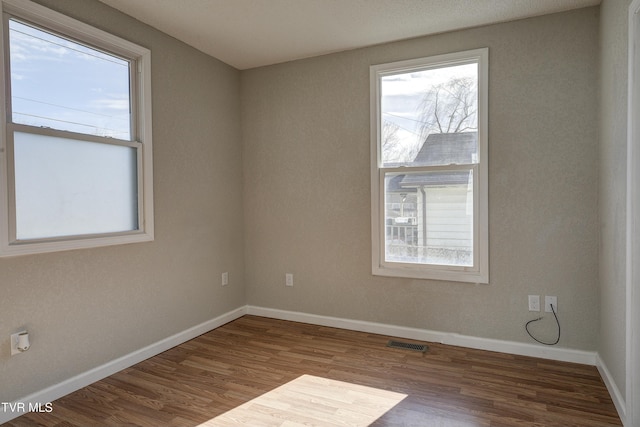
[[312, 401]]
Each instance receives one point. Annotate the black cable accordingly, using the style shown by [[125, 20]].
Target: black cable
[[526, 326]]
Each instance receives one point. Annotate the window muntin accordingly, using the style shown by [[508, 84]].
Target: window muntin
[[429, 174], [76, 147]]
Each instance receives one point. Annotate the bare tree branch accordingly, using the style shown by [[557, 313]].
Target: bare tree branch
[[449, 107]]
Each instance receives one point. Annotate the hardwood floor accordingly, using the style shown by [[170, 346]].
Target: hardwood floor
[[256, 371]]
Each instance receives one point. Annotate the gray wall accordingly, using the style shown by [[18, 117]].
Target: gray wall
[[84, 308], [307, 196], [613, 186]]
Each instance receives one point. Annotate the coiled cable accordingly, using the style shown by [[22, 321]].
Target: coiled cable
[[526, 326]]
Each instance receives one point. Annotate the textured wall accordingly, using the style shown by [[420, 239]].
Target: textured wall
[[613, 185], [84, 308], [307, 196]]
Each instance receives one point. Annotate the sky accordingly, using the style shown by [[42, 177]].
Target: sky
[[64, 85]]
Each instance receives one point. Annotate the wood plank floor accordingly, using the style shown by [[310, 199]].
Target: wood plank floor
[[256, 371]]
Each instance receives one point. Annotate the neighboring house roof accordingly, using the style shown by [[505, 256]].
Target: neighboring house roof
[[395, 185], [441, 149], [447, 148]]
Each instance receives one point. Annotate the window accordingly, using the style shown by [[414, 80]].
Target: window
[[429, 172], [76, 156]]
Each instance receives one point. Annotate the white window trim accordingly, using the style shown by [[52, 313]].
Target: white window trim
[[479, 273], [141, 103]]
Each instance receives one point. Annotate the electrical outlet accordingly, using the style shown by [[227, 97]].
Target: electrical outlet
[[534, 302], [225, 279], [14, 343], [547, 304], [288, 279]]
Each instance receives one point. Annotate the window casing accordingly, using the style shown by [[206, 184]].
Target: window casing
[[76, 146], [429, 173]]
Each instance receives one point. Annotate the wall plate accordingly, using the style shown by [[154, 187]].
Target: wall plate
[[14, 343]]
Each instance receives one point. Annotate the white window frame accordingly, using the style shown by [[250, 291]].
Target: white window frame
[[479, 272], [141, 140]]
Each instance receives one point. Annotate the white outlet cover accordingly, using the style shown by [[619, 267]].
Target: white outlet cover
[[534, 302], [288, 281], [548, 300], [14, 343]]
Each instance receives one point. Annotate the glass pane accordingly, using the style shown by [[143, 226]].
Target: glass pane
[[429, 117], [67, 187], [429, 217], [60, 84]]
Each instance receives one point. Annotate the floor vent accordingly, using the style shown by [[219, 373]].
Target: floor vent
[[407, 346]]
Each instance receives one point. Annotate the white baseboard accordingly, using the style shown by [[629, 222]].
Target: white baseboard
[[511, 347], [82, 380], [614, 391]]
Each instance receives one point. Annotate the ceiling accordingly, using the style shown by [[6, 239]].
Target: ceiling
[[253, 33]]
